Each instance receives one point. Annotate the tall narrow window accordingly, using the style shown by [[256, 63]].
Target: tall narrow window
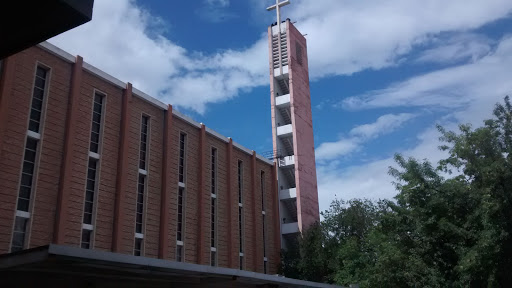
[[214, 170], [137, 247], [90, 190], [18, 238], [96, 122], [140, 204], [37, 100], [143, 143], [213, 248], [240, 235], [240, 213], [179, 228], [91, 186], [181, 168], [240, 178], [182, 172], [262, 186], [29, 172], [264, 242], [213, 208], [141, 186], [86, 238]]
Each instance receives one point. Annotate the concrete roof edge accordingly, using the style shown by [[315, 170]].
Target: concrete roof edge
[[268, 161], [217, 135], [104, 75], [57, 51], [138, 93], [186, 118], [152, 100]]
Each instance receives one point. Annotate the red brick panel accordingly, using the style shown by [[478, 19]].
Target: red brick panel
[[304, 150], [248, 207], [231, 202], [69, 143], [191, 190], [163, 249], [109, 149], [154, 176], [51, 145], [118, 241], [13, 125], [223, 235]]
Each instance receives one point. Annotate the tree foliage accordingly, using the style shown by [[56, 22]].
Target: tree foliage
[[449, 225]]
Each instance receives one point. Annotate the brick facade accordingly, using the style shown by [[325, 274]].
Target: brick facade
[[58, 192]]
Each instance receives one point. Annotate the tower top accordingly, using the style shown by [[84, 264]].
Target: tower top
[[277, 6]]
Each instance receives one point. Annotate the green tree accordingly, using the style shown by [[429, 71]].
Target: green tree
[[449, 226]]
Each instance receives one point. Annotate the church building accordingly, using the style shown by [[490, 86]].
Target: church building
[[102, 185]]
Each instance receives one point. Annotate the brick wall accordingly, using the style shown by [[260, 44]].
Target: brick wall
[[108, 155], [51, 158]]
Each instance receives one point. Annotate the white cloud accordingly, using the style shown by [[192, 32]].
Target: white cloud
[[349, 36], [126, 41], [455, 87], [469, 91], [343, 37], [330, 150], [454, 48], [371, 180], [383, 125]]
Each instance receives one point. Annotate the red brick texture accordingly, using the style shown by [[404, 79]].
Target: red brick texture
[[303, 139], [67, 160], [63, 153]]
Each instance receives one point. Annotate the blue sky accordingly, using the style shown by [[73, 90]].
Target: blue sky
[[383, 73]]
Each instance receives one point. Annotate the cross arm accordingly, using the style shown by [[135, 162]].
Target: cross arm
[[284, 3]]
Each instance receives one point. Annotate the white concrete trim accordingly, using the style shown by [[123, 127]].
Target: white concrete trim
[[143, 172], [94, 155], [241, 254], [287, 161], [186, 118], [179, 243], [181, 184], [268, 161], [265, 259], [216, 134], [277, 72], [284, 130], [23, 214], [34, 135], [290, 228], [57, 51], [262, 212], [213, 249], [104, 75], [139, 235], [213, 195], [240, 147], [240, 205], [87, 227], [136, 92], [288, 194], [283, 101]]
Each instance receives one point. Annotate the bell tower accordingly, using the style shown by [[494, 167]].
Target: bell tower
[[292, 127]]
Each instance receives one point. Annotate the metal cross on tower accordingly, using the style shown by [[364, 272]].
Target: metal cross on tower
[[277, 6]]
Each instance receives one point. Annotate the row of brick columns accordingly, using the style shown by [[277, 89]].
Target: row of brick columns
[[121, 180]]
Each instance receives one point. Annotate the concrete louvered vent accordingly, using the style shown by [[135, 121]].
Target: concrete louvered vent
[[279, 45]]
